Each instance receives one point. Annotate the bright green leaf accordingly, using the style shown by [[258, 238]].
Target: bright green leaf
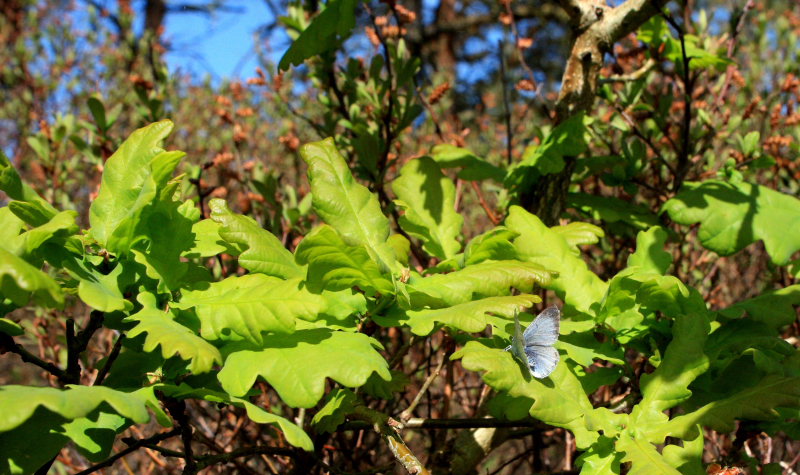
[[335, 265], [131, 180], [297, 365], [575, 283], [174, 338], [471, 316], [261, 251], [427, 198], [249, 305], [734, 215], [19, 281], [486, 279], [346, 205], [324, 33]]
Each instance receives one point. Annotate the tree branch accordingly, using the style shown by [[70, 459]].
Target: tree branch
[[386, 428], [133, 445], [595, 28], [8, 345]]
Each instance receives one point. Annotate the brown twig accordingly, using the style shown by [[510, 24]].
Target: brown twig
[[101, 375], [749, 5], [133, 445]]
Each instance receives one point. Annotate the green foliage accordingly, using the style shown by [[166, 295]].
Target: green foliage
[[734, 215], [249, 305], [427, 198], [332, 25], [346, 205], [270, 303], [296, 365]]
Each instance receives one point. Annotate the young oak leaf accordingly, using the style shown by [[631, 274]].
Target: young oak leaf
[[249, 305], [174, 338], [297, 365]]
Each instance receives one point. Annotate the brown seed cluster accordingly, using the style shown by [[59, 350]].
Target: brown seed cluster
[[438, 93]]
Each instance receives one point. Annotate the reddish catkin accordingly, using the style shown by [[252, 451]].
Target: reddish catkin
[[256, 82], [751, 107], [224, 115], [245, 112], [373, 36], [777, 144], [526, 85], [438, 93], [290, 141], [404, 14], [222, 159], [277, 81]]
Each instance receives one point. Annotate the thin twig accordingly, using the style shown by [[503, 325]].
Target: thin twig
[[7, 344], [101, 375], [493, 217], [731, 46], [632, 76], [131, 448], [387, 428], [420, 423], [686, 129], [506, 107], [406, 414]]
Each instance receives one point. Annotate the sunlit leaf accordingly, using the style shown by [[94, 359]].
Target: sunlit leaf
[[346, 205], [427, 198], [249, 305], [260, 250], [175, 339], [132, 178], [336, 265], [734, 215], [297, 365]]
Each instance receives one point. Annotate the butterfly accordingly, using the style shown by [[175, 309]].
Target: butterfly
[[534, 346]]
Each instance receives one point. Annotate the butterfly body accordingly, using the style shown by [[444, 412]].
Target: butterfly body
[[534, 346]]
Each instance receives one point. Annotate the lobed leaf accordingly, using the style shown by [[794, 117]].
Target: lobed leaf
[[575, 283], [249, 305], [332, 25], [336, 265], [559, 400], [297, 365], [643, 456], [20, 402], [294, 434], [757, 402], [20, 281], [345, 205], [175, 339], [260, 250], [612, 210], [340, 403], [470, 317], [495, 244], [566, 139], [428, 198], [650, 255], [734, 215], [13, 186], [775, 308], [132, 177], [161, 258], [473, 167], [486, 279]]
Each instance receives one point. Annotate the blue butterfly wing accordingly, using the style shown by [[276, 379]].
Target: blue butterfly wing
[[542, 360], [544, 330]]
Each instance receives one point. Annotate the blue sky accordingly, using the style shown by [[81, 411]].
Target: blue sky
[[221, 44]]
